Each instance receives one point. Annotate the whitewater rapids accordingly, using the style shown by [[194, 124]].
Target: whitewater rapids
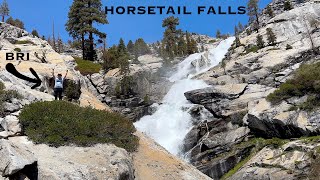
[[171, 122]]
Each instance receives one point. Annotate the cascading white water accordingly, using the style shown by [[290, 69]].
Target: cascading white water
[[171, 121]]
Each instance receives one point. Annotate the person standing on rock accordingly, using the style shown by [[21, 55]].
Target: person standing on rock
[[58, 85]]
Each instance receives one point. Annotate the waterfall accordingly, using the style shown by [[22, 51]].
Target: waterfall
[[171, 122]]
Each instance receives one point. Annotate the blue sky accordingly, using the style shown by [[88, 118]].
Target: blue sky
[[39, 14]]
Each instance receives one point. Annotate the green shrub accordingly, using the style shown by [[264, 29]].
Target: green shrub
[[17, 49], [250, 49], [59, 123], [305, 81], [6, 95], [24, 42], [212, 41], [87, 67], [72, 90]]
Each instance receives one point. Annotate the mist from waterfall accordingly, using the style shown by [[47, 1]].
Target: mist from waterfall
[[171, 122]]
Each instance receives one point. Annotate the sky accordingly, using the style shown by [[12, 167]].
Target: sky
[[40, 15]]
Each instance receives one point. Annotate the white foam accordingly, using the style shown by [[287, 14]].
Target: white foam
[[171, 122]]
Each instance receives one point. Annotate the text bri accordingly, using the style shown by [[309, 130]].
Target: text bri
[[17, 56]]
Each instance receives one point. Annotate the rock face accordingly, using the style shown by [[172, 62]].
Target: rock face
[[237, 99], [151, 161], [291, 161], [147, 86], [98, 162], [278, 121]]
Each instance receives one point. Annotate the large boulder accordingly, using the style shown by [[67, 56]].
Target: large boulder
[[278, 121], [10, 125], [14, 157]]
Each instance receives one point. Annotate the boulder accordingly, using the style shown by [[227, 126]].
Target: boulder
[[277, 121], [14, 157], [11, 125], [230, 91], [101, 161]]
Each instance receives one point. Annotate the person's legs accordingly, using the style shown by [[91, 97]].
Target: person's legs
[[60, 93], [55, 93]]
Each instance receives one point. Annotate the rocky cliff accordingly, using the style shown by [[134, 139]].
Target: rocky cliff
[[230, 142]]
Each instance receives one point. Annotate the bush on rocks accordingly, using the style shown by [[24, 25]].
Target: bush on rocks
[[60, 123], [306, 81], [5, 96]]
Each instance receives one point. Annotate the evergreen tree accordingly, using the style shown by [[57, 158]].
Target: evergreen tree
[[82, 15], [4, 9], [218, 34], [192, 46], [110, 58], [260, 42], [287, 5], [123, 57], [170, 35], [130, 47], [141, 47], [60, 45], [35, 33], [236, 30], [199, 39], [182, 46], [272, 39], [253, 13], [237, 41], [240, 27], [269, 11], [15, 22]]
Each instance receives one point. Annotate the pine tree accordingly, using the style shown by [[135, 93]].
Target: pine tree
[[237, 41], [141, 47], [287, 5], [123, 57], [15, 22], [240, 27], [35, 33], [82, 15], [4, 9], [182, 46], [218, 34], [236, 30], [260, 42], [110, 58], [130, 47], [60, 45], [272, 39], [253, 13], [170, 35], [193, 47], [269, 11]]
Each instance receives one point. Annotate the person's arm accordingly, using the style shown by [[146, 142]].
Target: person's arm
[[66, 74]]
